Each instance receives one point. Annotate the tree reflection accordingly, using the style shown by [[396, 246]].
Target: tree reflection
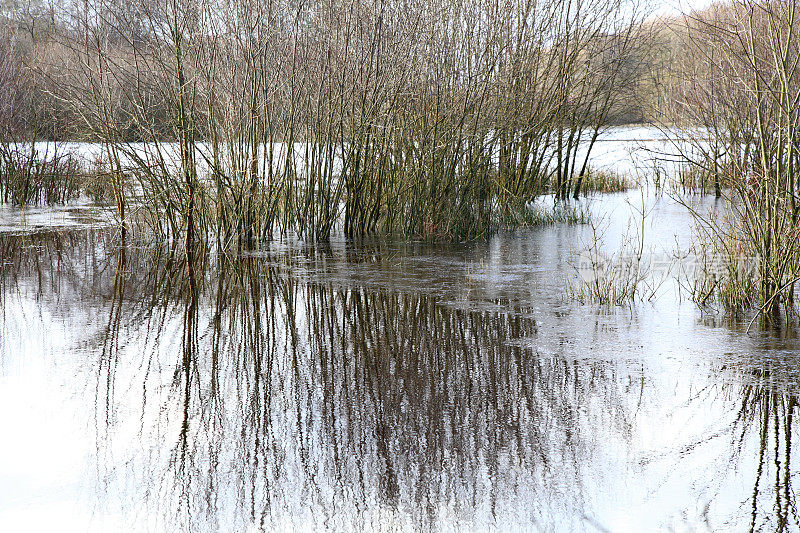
[[327, 405], [264, 391], [307, 388], [766, 416]]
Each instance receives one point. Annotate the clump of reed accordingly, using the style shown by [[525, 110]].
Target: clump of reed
[[658, 177], [615, 284], [620, 278], [605, 181], [617, 279], [748, 252], [98, 183], [723, 273], [30, 178], [540, 214], [696, 179]]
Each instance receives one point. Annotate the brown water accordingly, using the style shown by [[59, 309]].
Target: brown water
[[380, 386]]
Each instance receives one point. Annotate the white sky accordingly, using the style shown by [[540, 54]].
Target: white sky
[[676, 7]]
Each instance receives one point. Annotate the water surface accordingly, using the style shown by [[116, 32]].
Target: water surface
[[380, 386]]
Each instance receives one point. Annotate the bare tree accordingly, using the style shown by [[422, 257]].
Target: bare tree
[[420, 118], [744, 92]]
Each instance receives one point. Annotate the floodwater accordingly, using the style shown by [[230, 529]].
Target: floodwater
[[379, 386]]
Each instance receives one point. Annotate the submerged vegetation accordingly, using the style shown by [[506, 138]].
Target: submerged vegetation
[[237, 121], [620, 278], [745, 96], [605, 181], [27, 177], [540, 214], [258, 119], [696, 179]]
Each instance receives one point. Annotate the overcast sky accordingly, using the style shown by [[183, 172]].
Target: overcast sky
[[675, 7]]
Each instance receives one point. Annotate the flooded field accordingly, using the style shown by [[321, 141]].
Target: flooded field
[[379, 386]]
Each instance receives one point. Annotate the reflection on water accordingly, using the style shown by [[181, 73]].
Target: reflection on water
[[763, 425], [375, 387]]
